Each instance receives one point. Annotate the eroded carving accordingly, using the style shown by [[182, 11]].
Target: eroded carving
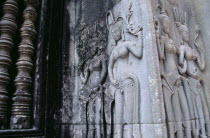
[[21, 108], [93, 93], [93, 77]]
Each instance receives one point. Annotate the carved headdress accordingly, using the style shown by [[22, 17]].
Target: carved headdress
[[180, 18], [112, 23], [163, 13]]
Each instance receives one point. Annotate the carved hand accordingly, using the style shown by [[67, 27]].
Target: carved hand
[[114, 82]]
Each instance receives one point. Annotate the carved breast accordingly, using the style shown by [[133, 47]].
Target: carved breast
[[95, 65], [121, 51], [189, 53]]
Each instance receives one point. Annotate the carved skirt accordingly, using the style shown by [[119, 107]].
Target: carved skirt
[[127, 101]]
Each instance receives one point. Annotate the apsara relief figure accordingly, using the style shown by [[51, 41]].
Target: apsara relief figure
[[190, 62], [93, 77], [174, 97], [127, 87]]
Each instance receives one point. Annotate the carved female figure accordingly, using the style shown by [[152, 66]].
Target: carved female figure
[[173, 92], [127, 94], [93, 77], [193, 88]]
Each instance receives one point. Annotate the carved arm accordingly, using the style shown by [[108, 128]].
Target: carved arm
[[200, 61], [104, 69], [84, 76], [110, 69], [181, 53], [160, 44], [183, 70], [136, 49]]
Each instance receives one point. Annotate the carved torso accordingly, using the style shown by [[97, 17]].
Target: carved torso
[[95, 67], [120, 54], [170, 63], [190, 56]]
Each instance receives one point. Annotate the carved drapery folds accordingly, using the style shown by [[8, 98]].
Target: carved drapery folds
[[22, 100], [181, 66], [8, 27]]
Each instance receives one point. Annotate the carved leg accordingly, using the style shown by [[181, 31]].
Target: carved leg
[[137, 131], [177, 114], [118, 131], [129, 111], [91, 131], [191, 106], [201, 117], [108, 131], [171, 129], [128, 131], [197, 127], [108, 116], [193, 129], [206, 111], [118, 115], [98, 105], [91, 120], [185, 112], [169, 112]]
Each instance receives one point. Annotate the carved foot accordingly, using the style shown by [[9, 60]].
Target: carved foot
[[188, 129], [171, 129], [118, 131], [179, 131], [20, 122], [208, 129], [203, 136]]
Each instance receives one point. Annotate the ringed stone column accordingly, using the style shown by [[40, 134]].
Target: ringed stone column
[[8, 27], [21, 108]]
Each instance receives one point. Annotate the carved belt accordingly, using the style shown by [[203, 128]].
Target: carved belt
[[123, 84]]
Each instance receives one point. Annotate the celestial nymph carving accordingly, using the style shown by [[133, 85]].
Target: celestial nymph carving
[[191, 61], [93, 76], [126, 83], [173, 93]]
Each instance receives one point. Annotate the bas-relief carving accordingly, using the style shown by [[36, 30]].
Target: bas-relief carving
[[109, 92], [184, 95], [127, 94], [173, 92], [192, 61]]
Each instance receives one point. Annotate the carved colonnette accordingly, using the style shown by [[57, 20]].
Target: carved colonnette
[[8, 27], [22, 99]]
